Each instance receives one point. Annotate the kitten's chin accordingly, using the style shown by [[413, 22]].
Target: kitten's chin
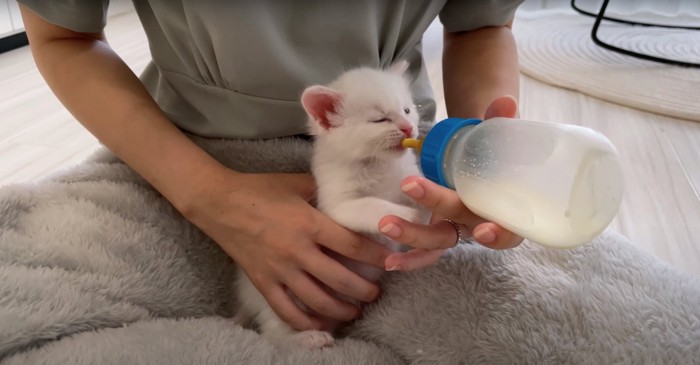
[[388, 153], [396, 151]]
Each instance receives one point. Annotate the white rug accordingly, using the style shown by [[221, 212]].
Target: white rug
[[555, 47]]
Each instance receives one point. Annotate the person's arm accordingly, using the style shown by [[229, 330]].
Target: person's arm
[[105, 96], [479, 67], [263, 221], [481, 80]]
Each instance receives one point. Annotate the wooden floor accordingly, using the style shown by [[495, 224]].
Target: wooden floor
[[660, 212]]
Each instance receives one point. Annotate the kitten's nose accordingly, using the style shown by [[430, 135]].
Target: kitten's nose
[[407, 130]]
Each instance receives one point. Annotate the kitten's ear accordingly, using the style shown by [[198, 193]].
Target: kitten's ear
[[320, 102], [399, 67]]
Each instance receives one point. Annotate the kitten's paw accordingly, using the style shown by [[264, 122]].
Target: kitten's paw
[[242, 319], [406, 213], [313, 339]]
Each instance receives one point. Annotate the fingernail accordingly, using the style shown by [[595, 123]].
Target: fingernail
[[393, 268], [484, 235], [413, 190], [391, 230]]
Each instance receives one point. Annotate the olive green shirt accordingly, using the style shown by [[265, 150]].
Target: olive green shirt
[[237, 68]]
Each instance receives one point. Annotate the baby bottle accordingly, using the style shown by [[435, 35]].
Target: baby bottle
[[557, 185]]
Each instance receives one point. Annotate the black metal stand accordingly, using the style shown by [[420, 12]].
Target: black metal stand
[[601, 15], [13, 41]]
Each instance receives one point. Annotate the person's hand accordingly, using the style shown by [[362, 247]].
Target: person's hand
[[429, 241], [266, 224]]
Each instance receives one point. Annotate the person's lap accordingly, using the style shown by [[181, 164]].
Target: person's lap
[[97, 247]]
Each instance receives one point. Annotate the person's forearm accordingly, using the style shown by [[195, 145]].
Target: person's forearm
[[478, 67], [97, 87]]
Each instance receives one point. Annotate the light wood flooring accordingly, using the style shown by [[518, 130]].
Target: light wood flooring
[[660, 155]]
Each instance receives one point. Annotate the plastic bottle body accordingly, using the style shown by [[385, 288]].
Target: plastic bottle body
[[557, 185]]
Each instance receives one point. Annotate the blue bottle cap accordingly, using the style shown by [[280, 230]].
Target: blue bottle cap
[[435, 145]]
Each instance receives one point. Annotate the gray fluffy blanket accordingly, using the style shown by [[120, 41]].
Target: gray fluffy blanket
[[97, 268]]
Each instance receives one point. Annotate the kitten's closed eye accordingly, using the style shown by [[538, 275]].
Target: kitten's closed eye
[[382, 120]]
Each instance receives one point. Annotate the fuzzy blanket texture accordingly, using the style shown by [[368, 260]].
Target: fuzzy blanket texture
[[97, 268]]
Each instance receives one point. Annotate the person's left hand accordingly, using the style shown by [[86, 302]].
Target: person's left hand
[[429, 241]]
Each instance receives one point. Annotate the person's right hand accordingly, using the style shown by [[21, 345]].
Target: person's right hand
[[267, 225]]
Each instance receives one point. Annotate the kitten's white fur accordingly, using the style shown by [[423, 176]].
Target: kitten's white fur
[[358, 121]]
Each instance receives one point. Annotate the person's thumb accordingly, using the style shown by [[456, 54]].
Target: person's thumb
[[504, 106]]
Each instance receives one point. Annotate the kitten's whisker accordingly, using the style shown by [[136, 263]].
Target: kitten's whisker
[[377, 147], [384, 141]]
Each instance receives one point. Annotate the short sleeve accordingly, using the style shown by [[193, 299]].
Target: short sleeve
[[466, 15], [83, 16]]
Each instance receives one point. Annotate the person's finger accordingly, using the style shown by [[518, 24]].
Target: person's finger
[[442, 235], [494, 236], [289, 312], [434, 236], [439, 200], [350, 244], [319, 300], [504, 106], [340, 278], [412, 260]]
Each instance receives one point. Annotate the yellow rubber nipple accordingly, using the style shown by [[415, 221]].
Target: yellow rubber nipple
[[416, 144]]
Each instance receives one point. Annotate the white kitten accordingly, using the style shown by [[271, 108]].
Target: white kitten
[[358, 122]]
